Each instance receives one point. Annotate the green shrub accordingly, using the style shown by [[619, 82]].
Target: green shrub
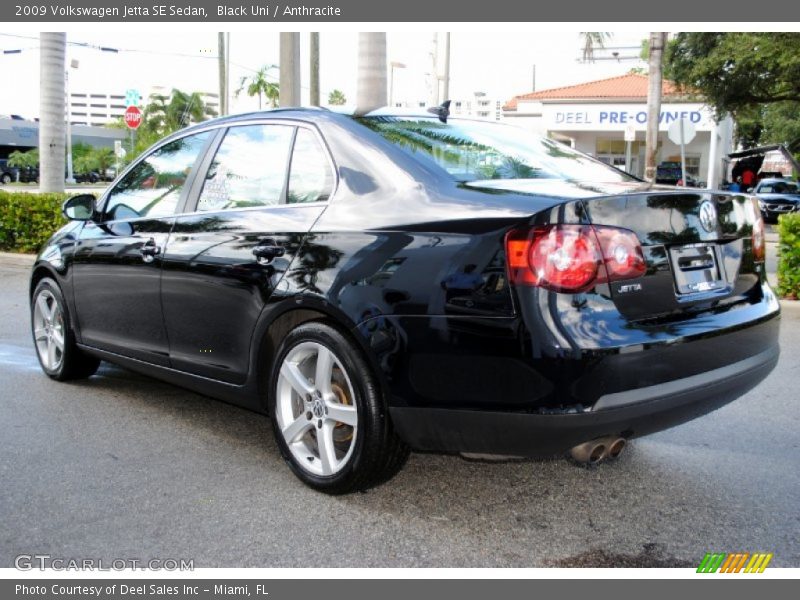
[[27, 220], [789, 256]]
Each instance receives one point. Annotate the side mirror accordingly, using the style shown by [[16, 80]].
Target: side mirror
[[79, 208], [749, 190]]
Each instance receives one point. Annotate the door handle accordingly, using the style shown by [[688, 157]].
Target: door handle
[[149, 250], [267, 250]]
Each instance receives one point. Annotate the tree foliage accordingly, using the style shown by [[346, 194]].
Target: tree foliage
[[166, 114], [337, 98], [259, 84], [95, 159], [737, 69], [753, 76], [23, 160]]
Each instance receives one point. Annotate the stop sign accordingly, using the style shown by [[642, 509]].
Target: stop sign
[[133, 117]]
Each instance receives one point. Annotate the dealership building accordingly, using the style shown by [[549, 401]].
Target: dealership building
[[594, 117]]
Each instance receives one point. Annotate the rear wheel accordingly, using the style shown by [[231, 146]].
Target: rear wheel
[[59, 356], [6, 178], [329, 417]]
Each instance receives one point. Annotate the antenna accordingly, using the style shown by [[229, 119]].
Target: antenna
[[442, 111]]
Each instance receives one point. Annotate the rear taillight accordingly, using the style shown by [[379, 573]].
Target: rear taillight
[[622, 253], [759, 237], [572, 258]]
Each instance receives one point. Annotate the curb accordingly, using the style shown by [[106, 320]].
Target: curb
[[13, 259]]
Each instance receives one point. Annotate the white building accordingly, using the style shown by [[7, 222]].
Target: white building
[[477, 106], [102, 108], [97, 109], [593, 117]]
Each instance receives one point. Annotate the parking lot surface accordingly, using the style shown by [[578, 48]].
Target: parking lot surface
[[122, 466]]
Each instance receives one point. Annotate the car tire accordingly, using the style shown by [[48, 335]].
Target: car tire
[[329, 415], [6, 178], [53, 336]]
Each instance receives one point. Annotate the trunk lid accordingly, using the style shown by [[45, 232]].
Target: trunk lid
[[698, 246]]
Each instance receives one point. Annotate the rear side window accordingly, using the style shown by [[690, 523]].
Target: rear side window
[[249, 168], [153, 187], [310, 177]]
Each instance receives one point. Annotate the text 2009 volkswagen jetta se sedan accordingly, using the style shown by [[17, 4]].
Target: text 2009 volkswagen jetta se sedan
[[396, 282]]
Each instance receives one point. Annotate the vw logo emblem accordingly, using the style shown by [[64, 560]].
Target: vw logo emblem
[[318, 408], [708, 216]]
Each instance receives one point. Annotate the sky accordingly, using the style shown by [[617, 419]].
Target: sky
[[499, 63]]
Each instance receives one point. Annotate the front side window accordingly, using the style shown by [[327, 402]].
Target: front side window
[[153, 187], [477, 150], [249, 169], [310, 176]]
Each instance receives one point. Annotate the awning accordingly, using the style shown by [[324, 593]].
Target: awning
[[763, 150]]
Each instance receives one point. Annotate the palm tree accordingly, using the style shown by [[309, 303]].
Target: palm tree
[[165, 114], [656, 49], [223, 73], [259, 85], [372, 72], [289, 80], [592, 40], [52, 126], [337, 98]]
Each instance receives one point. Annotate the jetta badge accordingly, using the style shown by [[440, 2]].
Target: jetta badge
[[708, 216]]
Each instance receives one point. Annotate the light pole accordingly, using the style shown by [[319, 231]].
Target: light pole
[[73, 64], [395, 65]]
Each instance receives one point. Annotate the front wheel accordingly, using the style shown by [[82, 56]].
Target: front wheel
[[328, 414], [59, 355], [6, 178]]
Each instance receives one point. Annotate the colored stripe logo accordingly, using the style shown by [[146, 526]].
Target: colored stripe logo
[[740, 562]]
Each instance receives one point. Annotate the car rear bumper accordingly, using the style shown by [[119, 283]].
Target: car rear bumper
[[630, 413]]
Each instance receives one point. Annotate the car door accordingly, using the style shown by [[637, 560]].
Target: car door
[[262, 188], [117, 262]]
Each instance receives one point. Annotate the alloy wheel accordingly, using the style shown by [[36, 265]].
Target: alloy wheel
[[48, 330], [316, 410]]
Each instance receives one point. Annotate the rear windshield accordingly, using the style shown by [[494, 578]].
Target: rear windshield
[[476, 150]]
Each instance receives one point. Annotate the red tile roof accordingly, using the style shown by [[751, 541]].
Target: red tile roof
[[623, 86]]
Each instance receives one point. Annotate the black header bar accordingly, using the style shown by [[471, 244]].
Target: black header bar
[[382, 11]]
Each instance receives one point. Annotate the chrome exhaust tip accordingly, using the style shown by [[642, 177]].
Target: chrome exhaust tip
[[616, 447], [589, 453], [594, 451]]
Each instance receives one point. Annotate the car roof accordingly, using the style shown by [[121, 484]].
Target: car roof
[[776, 180], [340, 114]]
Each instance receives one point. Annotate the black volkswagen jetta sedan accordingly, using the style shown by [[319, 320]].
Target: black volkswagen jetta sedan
[[403, 281]]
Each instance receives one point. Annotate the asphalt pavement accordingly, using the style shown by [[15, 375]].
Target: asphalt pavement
[[124, 467]]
